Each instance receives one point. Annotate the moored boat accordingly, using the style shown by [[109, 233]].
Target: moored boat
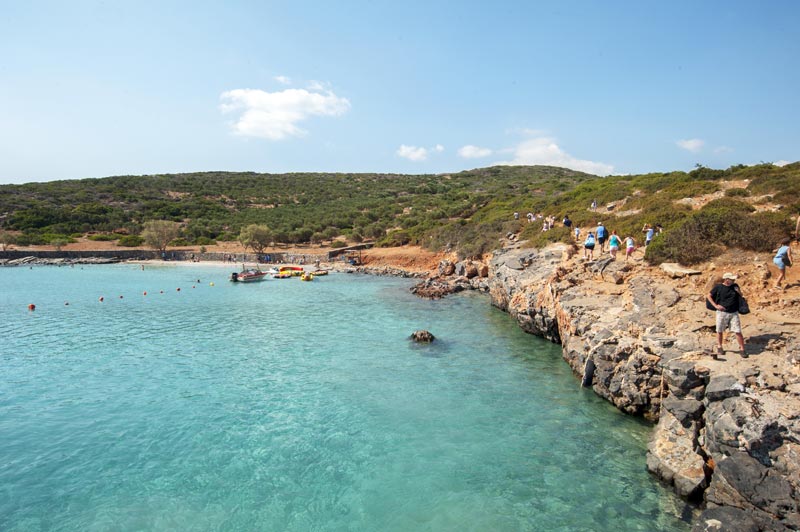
[[248, 275]]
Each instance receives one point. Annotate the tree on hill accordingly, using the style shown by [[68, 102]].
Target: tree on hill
[[6, 240], [256, 236], [159, 233]]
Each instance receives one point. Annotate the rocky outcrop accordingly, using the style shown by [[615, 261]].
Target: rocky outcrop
[[422, 336], [452, 278], [727, 431]]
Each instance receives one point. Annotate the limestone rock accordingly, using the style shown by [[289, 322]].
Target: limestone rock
[[446, 268], [742, 481], [675, 270], [723, 386], [671, 456]]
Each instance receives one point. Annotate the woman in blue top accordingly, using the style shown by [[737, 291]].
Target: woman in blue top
[[783, 258], [588, 247]]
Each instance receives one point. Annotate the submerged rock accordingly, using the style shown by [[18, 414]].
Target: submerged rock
[[422, 336]]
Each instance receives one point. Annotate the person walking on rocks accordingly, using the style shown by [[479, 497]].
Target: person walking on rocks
[[725, 298], [783, 258], [649, 233], [588, 247], [613, 244], [630, 245], [602, 235]]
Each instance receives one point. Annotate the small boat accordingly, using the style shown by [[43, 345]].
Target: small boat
[[250, 275], [306, 276], [293, 270], [282, 275], [317, 273]]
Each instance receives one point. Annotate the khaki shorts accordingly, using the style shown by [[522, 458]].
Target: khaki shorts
[[728, 319]]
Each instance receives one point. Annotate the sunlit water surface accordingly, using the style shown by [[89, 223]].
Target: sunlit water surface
[[288, 405]]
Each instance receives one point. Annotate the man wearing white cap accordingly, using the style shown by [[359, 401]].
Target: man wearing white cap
[[725, 298]]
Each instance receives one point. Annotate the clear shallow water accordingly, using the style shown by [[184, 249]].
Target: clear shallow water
[[286, 405]]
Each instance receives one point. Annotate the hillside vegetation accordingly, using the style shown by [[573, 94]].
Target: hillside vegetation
[[467, 212]]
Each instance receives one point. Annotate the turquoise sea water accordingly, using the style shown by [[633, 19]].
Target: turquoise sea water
[[286, 405]]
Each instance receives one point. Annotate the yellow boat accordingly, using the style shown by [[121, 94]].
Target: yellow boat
[[305, 276], [294, 270]]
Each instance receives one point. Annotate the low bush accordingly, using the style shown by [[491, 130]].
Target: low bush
[[722, 223], [394, 239], [204, 241], [737, 193], [338, 244], [31, 239], [130, 241], [57, 239], [103, 237]]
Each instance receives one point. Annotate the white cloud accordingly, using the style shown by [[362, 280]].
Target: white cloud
[[545, 151], [412, 153], [692, 145], [283, 80], [438, 148], [276, 115], [473, 152], [782, 163]]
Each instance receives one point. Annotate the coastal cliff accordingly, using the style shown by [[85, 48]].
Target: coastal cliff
[[727, 431]]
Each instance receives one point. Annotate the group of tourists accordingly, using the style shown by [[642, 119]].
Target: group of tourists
[[601, 235]]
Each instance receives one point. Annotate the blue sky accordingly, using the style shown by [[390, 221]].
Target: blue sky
[[91, 89]]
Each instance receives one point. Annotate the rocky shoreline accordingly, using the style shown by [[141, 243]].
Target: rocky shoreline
[[727, 432]]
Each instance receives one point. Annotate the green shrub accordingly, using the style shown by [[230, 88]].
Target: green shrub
[[204, 241], [179, 242], [130, 241], [723, 223], [30, 239], [338, 244], [57, 238], [737, 193], [103, 237], [394, 239]]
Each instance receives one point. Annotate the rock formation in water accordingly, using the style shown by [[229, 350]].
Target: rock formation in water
[[422, 336]]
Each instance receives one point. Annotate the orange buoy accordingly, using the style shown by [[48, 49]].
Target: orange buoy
[[31, 307], [145, 293]]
